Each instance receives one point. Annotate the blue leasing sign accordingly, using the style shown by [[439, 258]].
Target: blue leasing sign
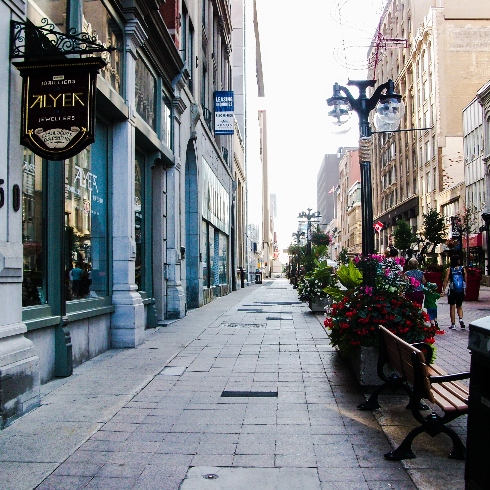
[[224, 107]]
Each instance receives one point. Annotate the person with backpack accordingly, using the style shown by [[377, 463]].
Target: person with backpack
[[456, 280]]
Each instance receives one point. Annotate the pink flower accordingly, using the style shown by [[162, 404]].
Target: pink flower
[[368, 290], [414, 282]]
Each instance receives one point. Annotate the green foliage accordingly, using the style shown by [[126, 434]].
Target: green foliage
[[320, 238], [312, 285], [433, 229], [349, 275], [343, 257], [403, 236]]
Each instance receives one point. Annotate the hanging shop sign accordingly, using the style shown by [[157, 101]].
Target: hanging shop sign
[[224, 107], [58, 106]]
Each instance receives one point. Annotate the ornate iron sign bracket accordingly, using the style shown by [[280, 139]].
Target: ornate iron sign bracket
[[32, 42]]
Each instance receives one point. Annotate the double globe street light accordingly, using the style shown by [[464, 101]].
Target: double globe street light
[[309, 217], [389, 112]]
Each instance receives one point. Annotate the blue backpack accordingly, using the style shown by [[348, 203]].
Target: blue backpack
[[457, 280]]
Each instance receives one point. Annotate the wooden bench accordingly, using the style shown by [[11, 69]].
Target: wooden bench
[[422, 381]]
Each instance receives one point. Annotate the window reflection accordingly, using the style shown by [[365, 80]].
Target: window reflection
[[138, 217], [86, 221], [145, 92], [32, 208], [98, 22], [54, 10]]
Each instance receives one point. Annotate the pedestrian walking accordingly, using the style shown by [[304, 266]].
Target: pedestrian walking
[[430, 302], [456, 280], [416, 276]]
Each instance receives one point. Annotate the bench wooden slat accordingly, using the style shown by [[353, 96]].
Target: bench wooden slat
[[447, 401]]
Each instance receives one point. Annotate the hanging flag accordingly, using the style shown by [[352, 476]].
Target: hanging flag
[[378, 226]]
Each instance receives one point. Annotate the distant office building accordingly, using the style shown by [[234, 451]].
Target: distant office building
[[326, 182]]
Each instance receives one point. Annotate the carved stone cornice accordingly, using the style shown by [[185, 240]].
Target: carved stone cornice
[[179, 105], [135, 37]]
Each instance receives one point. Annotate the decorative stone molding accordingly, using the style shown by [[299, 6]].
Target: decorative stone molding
[[179, 105], [135, 37]]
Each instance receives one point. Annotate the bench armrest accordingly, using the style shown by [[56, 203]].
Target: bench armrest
[[427, 350], [449, 377]]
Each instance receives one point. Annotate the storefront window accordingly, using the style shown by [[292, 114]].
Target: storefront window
[[86, 261], [216, 258], [223, 258], [33, 292], [98, 22], [211, 255], [145, 88], [205, 254], [139, 218], [166, 122]]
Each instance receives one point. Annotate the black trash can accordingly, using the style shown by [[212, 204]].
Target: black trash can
[[258, 277], [477, 469]]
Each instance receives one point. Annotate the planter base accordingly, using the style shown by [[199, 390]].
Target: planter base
[[364, 361], [319, 304]]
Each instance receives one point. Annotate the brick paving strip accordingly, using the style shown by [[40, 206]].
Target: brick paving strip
[[155, 418]]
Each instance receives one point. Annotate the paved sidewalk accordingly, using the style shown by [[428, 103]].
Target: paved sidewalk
[[245, 391]]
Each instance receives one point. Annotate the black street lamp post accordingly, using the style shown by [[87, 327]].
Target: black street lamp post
[[486, 219], [309, 217], [295, 266], [390, 110]]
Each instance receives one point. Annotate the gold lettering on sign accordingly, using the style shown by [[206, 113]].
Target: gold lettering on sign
[[69, 99]]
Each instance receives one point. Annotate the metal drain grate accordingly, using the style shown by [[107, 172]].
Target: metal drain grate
[[243, 325], [251, 394]]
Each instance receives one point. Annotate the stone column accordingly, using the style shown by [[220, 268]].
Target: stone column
[[176, 247], [19, 364], [128, 322]]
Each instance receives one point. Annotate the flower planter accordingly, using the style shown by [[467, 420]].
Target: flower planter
[[318, 304], [364, 361], [472, 287], [435, 277]]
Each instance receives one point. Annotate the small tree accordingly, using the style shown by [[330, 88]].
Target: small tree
[[343, 257], [467, 220], [433, 232], [403, 237]]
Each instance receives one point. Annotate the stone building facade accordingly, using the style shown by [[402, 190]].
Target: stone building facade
[[136, 228], [438, 54]]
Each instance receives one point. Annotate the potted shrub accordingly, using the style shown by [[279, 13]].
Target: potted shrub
[[378, 300], [434, 272], [311, 287], [473, 280]]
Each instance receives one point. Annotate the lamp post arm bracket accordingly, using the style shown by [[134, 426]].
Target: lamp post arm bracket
[[374, 99]]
